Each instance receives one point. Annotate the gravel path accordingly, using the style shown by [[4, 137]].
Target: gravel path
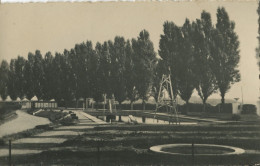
[[24, 121], [48, 139]]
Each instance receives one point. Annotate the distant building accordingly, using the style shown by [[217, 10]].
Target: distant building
[[34, 103], [44, 104]]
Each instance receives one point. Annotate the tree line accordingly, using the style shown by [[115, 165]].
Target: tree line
[[198, 55]]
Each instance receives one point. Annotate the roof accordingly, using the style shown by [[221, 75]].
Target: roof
[[8, 98], [25, 99], [34, 98]]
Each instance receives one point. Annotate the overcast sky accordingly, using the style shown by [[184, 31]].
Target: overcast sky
[[56, 26]]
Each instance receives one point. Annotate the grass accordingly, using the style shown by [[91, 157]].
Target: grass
[[129, 145], [23, 134], [130, 157], [6, 116]]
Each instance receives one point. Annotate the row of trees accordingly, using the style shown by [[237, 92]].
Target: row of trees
[[198, 56], [201, 56], [120, 68]]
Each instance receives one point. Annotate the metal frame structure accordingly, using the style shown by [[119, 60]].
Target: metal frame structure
[[170, 103]]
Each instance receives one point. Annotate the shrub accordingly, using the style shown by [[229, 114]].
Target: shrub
[[195, 107], [2, 142], [6, 107], [248, 109], [236, 117], [224, 108], [44, 127], [30, 111]]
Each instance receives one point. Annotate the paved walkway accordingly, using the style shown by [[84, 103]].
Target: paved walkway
[[48, 139]]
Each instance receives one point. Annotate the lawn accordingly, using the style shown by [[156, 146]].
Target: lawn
[[129, 145]]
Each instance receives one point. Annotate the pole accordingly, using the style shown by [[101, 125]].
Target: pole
[[10, 153], [242, 99], [192, 152], [98, 152], [242, 94]]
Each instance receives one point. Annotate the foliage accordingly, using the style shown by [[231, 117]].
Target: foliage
[[28, 77], [12, 81], [157, 76], [144, 60], [248, 109], [236, 117], [48, 86], [38, 74], [197, 55], [202, 39], [7, 107], [169, 51], [176, 51], [4, 71], [130, 74], [118, 59], [186, 75], [225, 53]]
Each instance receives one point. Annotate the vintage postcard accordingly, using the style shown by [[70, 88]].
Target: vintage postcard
[[130, 83]]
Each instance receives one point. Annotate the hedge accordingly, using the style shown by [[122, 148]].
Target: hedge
[[8, 106], [191, 107], [248, 109]]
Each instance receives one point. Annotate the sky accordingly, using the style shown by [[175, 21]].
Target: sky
[[56, 26]]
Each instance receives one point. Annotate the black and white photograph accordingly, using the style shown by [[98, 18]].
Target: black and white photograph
[[130, 83]]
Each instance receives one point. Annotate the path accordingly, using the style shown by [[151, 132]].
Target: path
[[24, 121], [49, 139]]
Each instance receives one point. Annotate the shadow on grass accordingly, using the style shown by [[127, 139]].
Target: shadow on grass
[[128, 157]]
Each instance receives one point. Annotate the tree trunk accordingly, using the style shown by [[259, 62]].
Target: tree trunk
[[120, 105], [187, 106], [84, 104], [222, 101], [222, 98], [132, 105], [143, 105], [204, 105], [104, 106]]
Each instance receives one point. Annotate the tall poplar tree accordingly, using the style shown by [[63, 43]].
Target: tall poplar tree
[[225, 53], [48, 83], [118, 60], [29, 77], [202, 39], [4, 71], [145, 60], [169, 50], [19, 76], [186, 75], [130, 74], [38, 74], [12, 91]]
